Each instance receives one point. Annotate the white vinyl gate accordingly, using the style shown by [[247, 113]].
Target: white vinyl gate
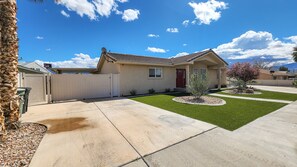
[[37, 83], [82, 86]]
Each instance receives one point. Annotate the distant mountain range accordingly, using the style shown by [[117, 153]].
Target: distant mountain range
[[291, 66]]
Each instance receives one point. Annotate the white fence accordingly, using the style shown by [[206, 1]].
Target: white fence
[[80, 86], [274, 82]]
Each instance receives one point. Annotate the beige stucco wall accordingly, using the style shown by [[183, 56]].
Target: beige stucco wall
[[213, 78], [265, 76], [137, 77], [110, 68], [224, 77]]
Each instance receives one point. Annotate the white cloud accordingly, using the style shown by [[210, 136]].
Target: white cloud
[[257, 45], [185, 44], [104, 7], [115, 9], [81, 7], [292, 38], [122, 1], [209, 11], [156, 50], [39, 37], [79, 61], [153, 35], [65, 14], [181, 54], [186, 23], [95, 8], [172, 30], [130, 15]]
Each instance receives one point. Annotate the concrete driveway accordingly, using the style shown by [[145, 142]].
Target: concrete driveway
[[107, 133], [123, 132]]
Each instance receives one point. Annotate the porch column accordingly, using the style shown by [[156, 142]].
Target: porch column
[[187, 75], [220, 78]]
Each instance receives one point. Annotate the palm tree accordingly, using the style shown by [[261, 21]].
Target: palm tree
[[9, 108], [294, 54]]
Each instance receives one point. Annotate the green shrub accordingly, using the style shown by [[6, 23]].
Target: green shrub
[[133, 92], [167, 90], [151, 91], [295, 83], [198, 84]]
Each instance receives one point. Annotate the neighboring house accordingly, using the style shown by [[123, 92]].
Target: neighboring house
[[25, 70], [36, 66], [74, 70], [143, 73], [273, 75]]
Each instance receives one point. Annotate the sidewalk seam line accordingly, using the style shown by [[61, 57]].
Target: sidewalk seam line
[[180, 141], [122, 136]]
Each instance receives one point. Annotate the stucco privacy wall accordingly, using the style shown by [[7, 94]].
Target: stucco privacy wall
[[110, 68], [137, 77]]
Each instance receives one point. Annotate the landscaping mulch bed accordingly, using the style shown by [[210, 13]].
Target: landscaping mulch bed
[[203, 100], [20, 145]]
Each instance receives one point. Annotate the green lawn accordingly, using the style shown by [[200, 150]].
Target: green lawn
[[267, 95], [231, 116]]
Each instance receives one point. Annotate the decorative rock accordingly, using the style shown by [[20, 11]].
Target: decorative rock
[[203, 100], [249, 90], [21, 144]]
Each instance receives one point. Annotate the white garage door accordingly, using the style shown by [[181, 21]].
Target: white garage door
[[82, 86]]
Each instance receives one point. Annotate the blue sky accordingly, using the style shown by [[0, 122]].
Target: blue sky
[[71, 33]]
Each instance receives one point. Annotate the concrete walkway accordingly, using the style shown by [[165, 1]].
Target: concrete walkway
[[127, 133], [251, 98], [282, 89]]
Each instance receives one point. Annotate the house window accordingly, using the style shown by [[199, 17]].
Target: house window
[[155, 72]]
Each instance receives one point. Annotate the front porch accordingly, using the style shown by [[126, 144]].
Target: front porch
[[214, 67]]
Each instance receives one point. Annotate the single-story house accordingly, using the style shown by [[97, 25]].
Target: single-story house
[[273, 75], [142, 73]]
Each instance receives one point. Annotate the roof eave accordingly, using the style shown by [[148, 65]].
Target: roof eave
[[148, 64]]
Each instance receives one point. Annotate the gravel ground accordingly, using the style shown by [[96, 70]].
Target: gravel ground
[[20, 145], [204, 100]]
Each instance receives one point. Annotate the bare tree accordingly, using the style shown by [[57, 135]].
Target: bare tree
[[263, 63]]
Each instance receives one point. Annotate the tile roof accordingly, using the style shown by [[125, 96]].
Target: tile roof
[[188, 58], [128, 58]]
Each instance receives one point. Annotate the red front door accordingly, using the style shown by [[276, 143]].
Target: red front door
[[180, 78]]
